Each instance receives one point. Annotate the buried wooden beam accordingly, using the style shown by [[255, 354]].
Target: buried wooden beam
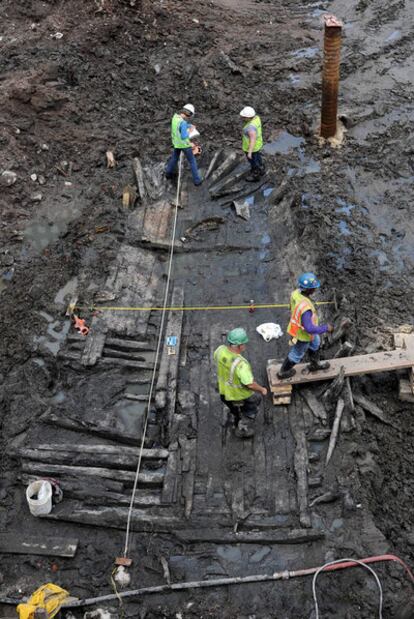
[[110, 460], [80, 425], [353, 366], [19, 544], [151, 478], [221, 536], [226, 167]]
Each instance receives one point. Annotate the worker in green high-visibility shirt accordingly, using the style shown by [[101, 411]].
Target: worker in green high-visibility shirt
[[237, 387], [180, 137], [252, 142]]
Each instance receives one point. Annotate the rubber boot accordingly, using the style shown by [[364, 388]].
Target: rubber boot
[[245, 428], [286, 371], [315, 362], [253, 177]]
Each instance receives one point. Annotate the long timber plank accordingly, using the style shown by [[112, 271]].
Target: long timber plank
[[38, 545], [353, 366], [220, 536]]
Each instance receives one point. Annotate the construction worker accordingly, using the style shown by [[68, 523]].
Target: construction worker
[[237, 387], [304, 328], [252, 142], [180, 127]]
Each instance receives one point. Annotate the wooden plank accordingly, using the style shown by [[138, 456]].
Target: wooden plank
[[221, 536], [80, 425], [118, 342], [315, 405], [147, 454], [94, 342], [405, 392], [38, 545], [168, 494], [301, 462], [353, 366], [78, 458], [153, 478]]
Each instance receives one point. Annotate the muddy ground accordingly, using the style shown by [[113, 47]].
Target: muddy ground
[[111, 82]]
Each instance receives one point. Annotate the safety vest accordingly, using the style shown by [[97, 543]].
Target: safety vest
[[229, 383], [177, 140], [299, 304], [258, 145]]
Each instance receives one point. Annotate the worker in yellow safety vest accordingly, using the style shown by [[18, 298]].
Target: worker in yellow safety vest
[[252, 142], [237, 387], [304, 328], [181, 142]]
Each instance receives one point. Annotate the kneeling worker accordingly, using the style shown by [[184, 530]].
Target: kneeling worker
[[236, 384], [304, 328]]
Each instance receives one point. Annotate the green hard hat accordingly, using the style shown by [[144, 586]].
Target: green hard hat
[[237, 336]]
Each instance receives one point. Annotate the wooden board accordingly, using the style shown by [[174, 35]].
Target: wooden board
[[38, 545], [353, 366]]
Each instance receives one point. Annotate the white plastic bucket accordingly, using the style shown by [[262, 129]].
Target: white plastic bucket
[[39, 497]]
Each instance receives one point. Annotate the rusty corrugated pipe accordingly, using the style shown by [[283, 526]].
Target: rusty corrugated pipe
[[330, 75]]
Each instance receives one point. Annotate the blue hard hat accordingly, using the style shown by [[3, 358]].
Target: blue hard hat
[[308, 281]]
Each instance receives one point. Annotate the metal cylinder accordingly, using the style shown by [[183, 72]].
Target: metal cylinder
[[330, 75]]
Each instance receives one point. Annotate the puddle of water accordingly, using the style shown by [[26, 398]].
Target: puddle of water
[[138, 389], [59, 397], [340, 258], [56, 334], [267, 192], [39, 361], [130, 415], [265, 239], [7, 276], [230, 553], [283, 144], [67, 290], [344, 207], [381, 256], [394, 36], [311, 167], [40, 234], [318, 12], [249, 200], [343, 228], [46, 316], [294, 79], [306, 52], [309, 200]]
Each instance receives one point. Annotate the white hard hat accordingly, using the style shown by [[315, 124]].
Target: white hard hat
[[248, 112], [189, 107]]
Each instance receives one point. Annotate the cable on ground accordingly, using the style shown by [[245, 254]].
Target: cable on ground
[[344, 561], [160, 336]]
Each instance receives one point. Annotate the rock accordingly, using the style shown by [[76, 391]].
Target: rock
[[42, 180], [36, 197], [8, 178], [33, 177]]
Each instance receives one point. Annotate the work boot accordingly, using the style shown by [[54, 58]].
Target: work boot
[[315, 362], [286, 371], [244, 429], [253, 177]]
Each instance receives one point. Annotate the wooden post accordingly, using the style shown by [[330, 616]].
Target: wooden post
[[330, 76]]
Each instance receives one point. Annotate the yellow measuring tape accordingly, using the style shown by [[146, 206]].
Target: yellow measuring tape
[[106, 308]]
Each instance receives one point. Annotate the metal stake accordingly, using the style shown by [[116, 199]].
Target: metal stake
[[330, 76]]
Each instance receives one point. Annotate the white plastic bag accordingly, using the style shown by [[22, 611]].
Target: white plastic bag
[[269, 331]]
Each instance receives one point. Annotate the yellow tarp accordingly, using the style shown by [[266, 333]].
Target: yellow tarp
[[49, 597]]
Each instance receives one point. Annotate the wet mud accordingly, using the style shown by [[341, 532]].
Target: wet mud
[[111, 82]]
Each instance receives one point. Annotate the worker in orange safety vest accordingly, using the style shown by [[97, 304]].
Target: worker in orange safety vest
[[304, 328]]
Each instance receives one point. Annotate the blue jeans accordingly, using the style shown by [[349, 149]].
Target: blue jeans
[[173, 161], [298, 351], [256, 162]]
